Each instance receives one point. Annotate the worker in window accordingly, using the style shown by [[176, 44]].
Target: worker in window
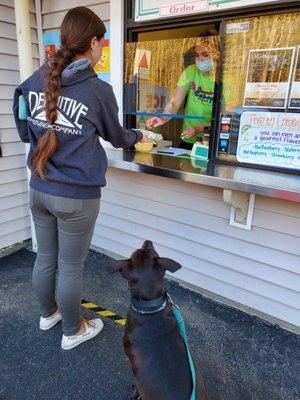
[[195, 87]]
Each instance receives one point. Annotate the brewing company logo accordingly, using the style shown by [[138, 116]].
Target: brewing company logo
[[69, 112]]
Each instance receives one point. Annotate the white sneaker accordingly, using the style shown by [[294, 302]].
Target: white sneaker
[[47, 323], [92, 328]]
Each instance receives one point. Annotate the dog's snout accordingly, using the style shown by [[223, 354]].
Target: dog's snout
[[147, 245]]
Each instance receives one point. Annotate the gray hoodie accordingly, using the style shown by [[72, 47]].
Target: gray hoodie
[[87, 109]]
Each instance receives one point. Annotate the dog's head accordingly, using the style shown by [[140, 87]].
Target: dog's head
[[145, 271]]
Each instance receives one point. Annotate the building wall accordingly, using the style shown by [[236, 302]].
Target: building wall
[[257, 269], [53, 11], [14, 211]]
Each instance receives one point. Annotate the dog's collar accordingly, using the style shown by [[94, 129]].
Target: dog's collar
[[149, 306]]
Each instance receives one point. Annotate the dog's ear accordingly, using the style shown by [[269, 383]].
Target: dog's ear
[[117, 266], [169, 264]]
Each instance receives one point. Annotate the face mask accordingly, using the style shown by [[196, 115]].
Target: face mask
[[205, 66]]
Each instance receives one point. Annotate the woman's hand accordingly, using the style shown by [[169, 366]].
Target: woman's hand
[[155, 121], [145, 136]]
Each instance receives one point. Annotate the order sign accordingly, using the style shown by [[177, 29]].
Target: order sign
[[269, 138]]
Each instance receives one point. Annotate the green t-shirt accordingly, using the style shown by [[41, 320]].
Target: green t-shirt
[[200, 93]]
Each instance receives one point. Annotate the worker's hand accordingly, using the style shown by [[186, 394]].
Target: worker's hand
[[155, 121], [189, 133], [194, 131]]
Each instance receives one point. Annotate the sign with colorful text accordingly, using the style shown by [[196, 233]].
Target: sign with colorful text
[[51, 41], [146, 10], [102, 68], [269, 138]]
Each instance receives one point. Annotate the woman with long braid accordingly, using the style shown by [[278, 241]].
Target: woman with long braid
[[69, 108]]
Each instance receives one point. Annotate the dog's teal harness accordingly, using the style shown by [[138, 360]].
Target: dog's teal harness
[[154, 306]]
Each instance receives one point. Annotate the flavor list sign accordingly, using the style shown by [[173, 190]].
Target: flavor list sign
[[269, 138]]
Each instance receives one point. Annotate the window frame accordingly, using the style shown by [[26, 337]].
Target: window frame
[[219, 18]]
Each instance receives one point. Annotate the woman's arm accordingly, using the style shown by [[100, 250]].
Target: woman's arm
[[108, 125]]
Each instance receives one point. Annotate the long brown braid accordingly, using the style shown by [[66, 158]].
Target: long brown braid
[[78, 28]]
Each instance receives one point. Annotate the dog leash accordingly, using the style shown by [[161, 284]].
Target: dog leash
[[181, 325]]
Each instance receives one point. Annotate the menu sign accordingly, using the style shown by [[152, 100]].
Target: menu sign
[[269, 138], [295, 90], [268, 77], [146, 10]]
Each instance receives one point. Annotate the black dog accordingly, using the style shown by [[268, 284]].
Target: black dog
[[152, 339]]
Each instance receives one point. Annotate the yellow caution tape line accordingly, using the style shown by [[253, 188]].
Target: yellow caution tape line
[[103, 312]]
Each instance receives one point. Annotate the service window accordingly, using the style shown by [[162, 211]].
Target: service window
[[259, 119], [170, 83]]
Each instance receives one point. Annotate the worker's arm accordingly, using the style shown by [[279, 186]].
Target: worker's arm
[[171, 108]]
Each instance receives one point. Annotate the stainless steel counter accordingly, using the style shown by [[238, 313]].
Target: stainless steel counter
[[265, 183]]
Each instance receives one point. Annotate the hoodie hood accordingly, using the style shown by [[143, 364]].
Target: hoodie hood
[[77, 71]]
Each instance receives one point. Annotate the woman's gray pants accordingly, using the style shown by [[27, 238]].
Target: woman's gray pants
[[64, 229]]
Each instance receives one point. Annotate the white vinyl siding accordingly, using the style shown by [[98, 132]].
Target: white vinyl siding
[[259, 269], [53, 11], [14, 215], [14, 210]]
